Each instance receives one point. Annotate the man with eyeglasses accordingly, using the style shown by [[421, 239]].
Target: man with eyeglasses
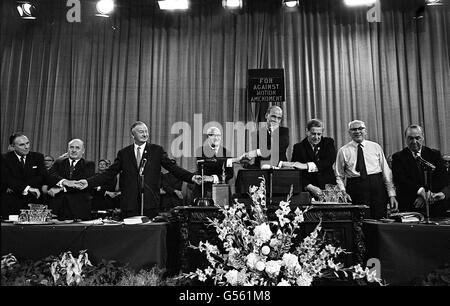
[[409, 176], [272, 141], [215, 160], [369, 179]]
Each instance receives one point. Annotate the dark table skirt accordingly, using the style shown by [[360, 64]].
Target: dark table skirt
[[141, 246]]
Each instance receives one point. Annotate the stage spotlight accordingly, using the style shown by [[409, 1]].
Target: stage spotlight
[[290, 3], [26, 10], [232, 4], [104, 8], [433, 2], [173, 4], [359, 2]]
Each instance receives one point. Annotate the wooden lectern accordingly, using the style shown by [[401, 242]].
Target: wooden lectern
[[278, 185]]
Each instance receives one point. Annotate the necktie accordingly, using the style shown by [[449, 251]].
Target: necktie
[[138, 156], [316, 153], [22, 161], [72, 167], [419, 167], [360, 163]]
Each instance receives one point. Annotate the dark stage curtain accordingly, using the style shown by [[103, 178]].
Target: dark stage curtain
[[92, 79]]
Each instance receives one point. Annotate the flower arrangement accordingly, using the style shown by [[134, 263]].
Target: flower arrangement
[[256, 251], [66, 270], [70, 267]]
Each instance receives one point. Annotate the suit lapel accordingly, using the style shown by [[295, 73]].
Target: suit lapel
[[309, 151], [15, 161]]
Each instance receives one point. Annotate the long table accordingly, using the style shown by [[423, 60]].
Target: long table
[[141, 246], [407, 252]]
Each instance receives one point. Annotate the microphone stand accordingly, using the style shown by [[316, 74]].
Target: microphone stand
[[141, 176], [427, 181], [203, 201]]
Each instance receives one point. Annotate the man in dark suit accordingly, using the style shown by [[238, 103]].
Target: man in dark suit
[[147, 159], [409, 175], [319, 154], [22, 175], [266, 139], [215, 160], [66, 201], [105, 196]]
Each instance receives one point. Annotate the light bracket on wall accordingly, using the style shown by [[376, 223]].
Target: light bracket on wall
[[26, 10]]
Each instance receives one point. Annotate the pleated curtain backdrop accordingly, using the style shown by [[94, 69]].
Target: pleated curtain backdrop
[[91, 80]]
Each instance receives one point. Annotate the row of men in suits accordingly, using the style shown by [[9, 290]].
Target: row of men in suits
[[23, 174], [361, 171], [359, 168]]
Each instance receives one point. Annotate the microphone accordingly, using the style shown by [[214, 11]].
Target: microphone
[[426, 163], [141, 168]]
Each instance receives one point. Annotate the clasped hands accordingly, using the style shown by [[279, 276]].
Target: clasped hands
[[423, 196], [80, 184]]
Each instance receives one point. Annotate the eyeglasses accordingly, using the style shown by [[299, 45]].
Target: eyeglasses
[[361, 128], [49, 160], [212, 135]]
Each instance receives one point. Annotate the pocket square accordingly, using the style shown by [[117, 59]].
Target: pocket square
[[34, 167]]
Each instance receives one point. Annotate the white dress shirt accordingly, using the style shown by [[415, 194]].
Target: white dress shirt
[[373, 157]]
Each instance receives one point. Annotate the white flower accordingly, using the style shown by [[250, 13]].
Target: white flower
[[260, 266], [232, 277], [273, 267], [265, 250], [283, 283], [252, 259], [290, 261], [304, 280], [273, 242], [262, 232]]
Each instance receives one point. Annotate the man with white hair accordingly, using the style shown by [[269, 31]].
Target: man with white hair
[[369, 179], [213, 156], [66, 201]]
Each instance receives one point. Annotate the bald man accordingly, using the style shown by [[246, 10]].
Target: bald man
[[272, 132], [215, 164], [66, 201]]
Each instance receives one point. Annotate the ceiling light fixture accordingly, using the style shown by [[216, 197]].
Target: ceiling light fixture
[[173, 4], [359, 2], [104, 8]]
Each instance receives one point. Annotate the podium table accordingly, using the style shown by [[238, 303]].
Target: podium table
[[341, 225]]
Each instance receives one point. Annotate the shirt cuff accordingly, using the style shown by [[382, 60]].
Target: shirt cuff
[[258, 152], [215, 179], [59, 184], [229, 163], [25, 191], [312, 167], [280, 164]]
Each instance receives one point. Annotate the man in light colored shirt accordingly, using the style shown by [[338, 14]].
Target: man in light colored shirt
[[363, 165]]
